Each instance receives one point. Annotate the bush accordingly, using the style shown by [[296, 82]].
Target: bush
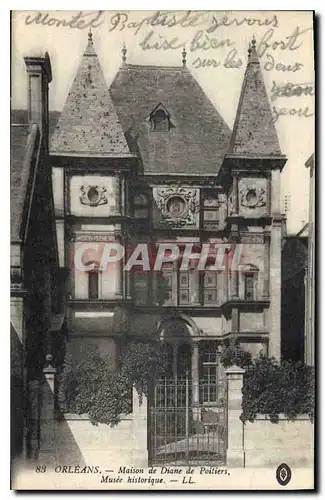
[[271, 388], [233, 354], [90, 386]]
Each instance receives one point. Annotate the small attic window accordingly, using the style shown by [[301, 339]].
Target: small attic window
[[159, 120]]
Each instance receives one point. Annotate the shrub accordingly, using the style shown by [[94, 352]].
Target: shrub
[[233, 354], [271, 388], [90, 386]]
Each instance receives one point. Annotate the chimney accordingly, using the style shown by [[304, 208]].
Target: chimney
[[39, 76]]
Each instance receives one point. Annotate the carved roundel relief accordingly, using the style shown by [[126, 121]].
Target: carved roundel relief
[[251, 197], [176, 206], [93, 195]]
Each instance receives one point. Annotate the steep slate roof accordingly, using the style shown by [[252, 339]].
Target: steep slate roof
[[22, 144], [254, 131], [89, 124], [199, 137]]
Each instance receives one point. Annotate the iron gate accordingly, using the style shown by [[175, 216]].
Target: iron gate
[[184, 431]]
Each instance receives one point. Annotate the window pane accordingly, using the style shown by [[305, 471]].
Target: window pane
[[140, 287], [141, 213], [140, 199], [208, 350], [183, 297], [183, 279], [211, 200], [210, 296], [93, 285], [210, 279], [249, 287], [210, 215]]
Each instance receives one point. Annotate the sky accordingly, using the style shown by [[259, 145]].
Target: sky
[[216, 43]]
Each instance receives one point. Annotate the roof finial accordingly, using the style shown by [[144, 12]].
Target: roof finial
[[90, 35], [252, 53], [184, 57], [124, 51], [249, 49]]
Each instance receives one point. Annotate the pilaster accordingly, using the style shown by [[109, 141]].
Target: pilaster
[[235, 448]]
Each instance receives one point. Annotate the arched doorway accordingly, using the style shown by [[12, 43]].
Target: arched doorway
[[186, 416]]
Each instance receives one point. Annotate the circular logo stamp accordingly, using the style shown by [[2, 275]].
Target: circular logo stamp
[[283, 474]]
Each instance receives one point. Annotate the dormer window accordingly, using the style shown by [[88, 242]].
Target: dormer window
[[160, 119]]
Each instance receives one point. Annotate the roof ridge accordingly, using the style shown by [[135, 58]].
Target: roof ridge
[[153, 66]]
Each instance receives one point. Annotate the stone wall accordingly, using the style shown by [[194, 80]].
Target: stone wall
[[74, 440], [262, 443], [267, 444]]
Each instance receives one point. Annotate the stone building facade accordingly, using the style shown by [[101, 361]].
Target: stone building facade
[[147, 164], [150, 161]]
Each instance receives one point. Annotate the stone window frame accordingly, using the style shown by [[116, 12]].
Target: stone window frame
[[94, 272], [250, 276]]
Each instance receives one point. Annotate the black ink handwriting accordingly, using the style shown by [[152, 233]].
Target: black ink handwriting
[[231, 61], [201, 41], [272, 64], [301, 112], [158, 42], [166, 19], [205, 63], [250, 21], [291, 42], [292, 90], [82, 20]]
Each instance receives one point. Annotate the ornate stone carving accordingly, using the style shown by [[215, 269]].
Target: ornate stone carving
[[252, 197], [252, 238], [93, 196], [92, 237], [179, 206]]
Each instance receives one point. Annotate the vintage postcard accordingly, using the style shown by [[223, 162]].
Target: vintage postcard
[[162, 250]]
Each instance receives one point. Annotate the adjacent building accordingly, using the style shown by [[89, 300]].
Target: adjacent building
[[310, 271]]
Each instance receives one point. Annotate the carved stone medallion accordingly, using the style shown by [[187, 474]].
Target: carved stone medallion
[[252, 197], [93, 196], [179, 206]]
